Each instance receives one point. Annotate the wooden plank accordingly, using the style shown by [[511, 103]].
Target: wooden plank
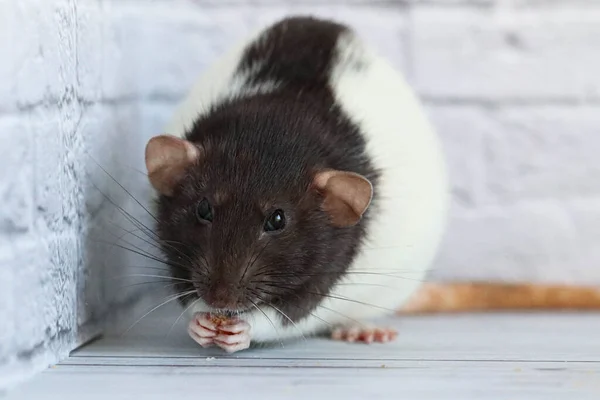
[[414, 380], [571, 337], [508, 357]]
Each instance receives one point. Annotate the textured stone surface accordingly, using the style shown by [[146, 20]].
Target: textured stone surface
[[159, 50], [512, 87], [506, 52], [55, 128]]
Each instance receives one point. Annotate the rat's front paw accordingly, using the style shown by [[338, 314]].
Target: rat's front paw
[[202, 329], [364, 334], [234, 335], [230, 334]]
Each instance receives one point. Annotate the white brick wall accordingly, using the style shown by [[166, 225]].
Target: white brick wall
[[56, 279], [507, 52], [512, 86]]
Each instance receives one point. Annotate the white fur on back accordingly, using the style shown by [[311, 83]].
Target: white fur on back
[[409, 215]]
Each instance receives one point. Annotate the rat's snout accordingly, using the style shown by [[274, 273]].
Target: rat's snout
[[222, 296]]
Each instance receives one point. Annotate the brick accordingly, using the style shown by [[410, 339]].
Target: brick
[[41, 59], [585, 217], [534, 242], [161, 50], [59, 286], [22, 259], [49, 153], [22, 59], [578, 6], [28, 261], [89, 43], [7, 306], [504, 155], [116, 137], [58, 152], [506, 54], [16, 176], [40, 327], [461, 131], [543, 152]]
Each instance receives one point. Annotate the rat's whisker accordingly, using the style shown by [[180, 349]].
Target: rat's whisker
[[269, 304], [293, 305], [167, 270], [140, 252], [351, 300], [250, 264], [179, 251], [135, 250], [123, 187], [262, 270], [390, 272], [268, 319], [172, 298], [131, 232], [336, 297], [319, 274], [148, 283], [365, 284], [181, 315], [128, 216], [341, 314], [204, 263], [286, 317], [155, 276], [120, 239]]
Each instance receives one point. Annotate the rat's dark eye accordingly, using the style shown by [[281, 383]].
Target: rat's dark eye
[[275, 222], [204, 210]]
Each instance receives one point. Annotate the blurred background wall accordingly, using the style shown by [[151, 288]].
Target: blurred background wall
[[512, 86]]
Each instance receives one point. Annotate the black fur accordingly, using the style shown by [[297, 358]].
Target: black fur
[[261, 153]]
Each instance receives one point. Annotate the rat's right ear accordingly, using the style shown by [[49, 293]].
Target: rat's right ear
[[167, 158], [346, 195]]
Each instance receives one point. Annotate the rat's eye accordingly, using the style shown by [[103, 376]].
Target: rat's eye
[[204, 210], [275, 222]]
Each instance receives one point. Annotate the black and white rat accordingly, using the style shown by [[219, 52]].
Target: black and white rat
[[301, 189]]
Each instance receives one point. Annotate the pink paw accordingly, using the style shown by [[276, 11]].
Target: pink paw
[[364, 334], [231, 334]]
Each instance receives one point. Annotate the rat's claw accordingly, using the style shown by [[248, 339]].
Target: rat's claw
[[232, 348], [231, 335], [235, 326], [364, 334], [234, 336], [202, 329]]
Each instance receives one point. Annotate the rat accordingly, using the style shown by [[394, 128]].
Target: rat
[[301, 190]]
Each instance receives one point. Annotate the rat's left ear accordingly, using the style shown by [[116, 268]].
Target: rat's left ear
[[347, 195], [167, 158]]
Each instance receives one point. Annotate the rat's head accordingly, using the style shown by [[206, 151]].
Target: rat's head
[[242, 227]]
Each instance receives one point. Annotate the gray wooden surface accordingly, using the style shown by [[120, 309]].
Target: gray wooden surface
[[507, 357]]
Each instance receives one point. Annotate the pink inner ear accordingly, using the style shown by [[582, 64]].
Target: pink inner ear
[[167, 158], [347, 195]]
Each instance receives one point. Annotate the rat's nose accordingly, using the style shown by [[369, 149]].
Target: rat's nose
[[223, 297]]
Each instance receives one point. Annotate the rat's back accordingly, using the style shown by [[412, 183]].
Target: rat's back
[[295, 52]]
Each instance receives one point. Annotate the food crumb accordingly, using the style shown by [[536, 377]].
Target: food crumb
[[382, 365], [218, 319], [210, 358]]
